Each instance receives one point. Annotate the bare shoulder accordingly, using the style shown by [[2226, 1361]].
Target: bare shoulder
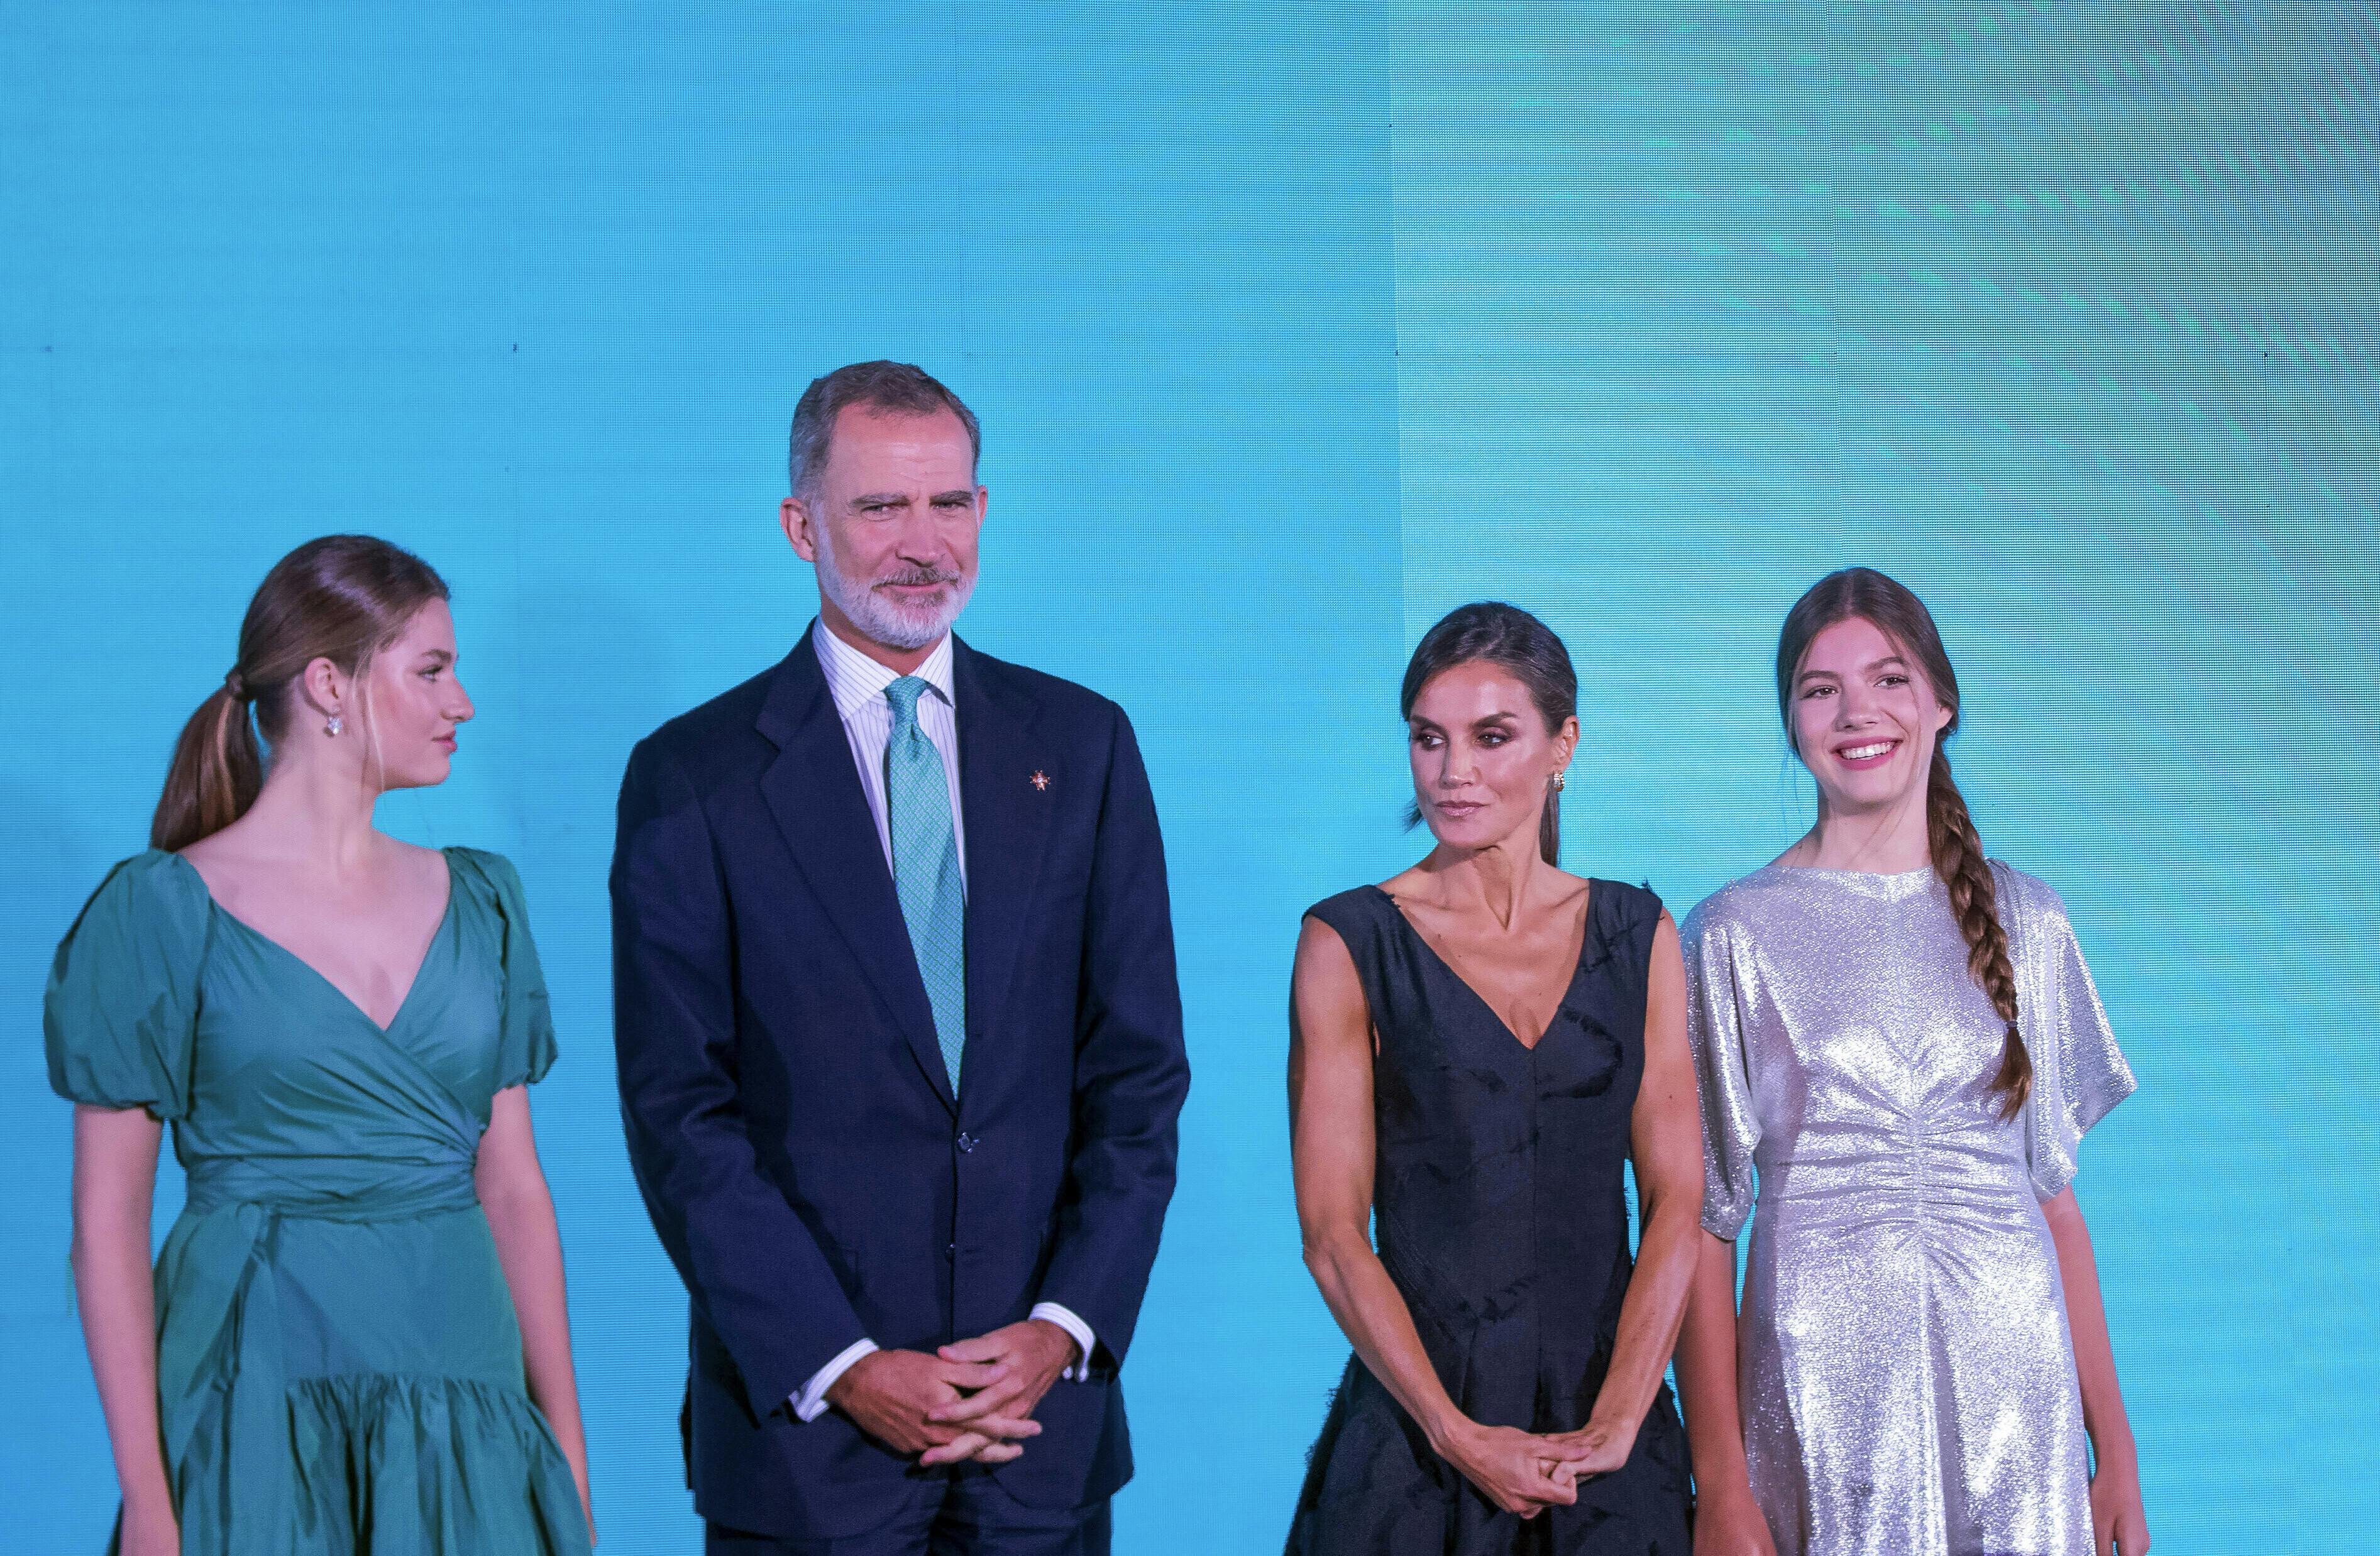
[[242, 869], [1326, 989], [417, 863], [208, 855], [1408, 884], [1322, 951], [230, 863]]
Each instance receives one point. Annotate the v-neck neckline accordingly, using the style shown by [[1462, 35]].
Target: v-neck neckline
[[1578, 968], [404, 1003]]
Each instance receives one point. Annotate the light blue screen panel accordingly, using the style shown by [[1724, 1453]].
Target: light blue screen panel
[[1290, 327]]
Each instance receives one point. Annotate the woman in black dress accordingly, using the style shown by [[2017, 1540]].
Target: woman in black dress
[[1476, 1048]]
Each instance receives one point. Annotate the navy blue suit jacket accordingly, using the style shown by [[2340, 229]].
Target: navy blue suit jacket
[[788, 1116]]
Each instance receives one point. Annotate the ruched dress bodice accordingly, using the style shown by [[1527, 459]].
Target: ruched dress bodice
[[338, 1364], [1500, 1211]]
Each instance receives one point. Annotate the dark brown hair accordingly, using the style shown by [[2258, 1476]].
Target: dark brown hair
[[1509, 637], [884, 386], [1864, 594], [343, 597]]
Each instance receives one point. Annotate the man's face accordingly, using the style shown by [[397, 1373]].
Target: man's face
[[891, 525]]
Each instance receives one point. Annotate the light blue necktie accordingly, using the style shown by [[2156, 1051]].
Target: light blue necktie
[[925, 868]]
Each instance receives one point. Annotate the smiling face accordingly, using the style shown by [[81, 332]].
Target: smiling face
[[1482, 757], [416, 703], [891, 525], [1865, 721]]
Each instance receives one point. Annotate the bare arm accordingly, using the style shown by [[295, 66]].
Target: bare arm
[[2118, 1522], [1727, 1521], [1666, 1146], [529, 1244], [115, 1182], [1332, 1149]]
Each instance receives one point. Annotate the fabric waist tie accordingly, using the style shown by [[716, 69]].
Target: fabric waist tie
[[220, 1343], [331, 1188]]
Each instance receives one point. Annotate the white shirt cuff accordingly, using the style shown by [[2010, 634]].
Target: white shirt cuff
[[1064, 1319], [810, 1404]]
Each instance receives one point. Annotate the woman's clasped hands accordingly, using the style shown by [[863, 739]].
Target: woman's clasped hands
[[1526, 1472]]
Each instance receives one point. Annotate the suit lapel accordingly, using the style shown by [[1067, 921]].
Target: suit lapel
[[1007, 819], [813, 791]]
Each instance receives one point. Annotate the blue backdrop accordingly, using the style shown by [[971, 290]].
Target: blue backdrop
[[1290, 328]]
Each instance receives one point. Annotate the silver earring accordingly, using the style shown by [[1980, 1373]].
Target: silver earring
[[331, 726], [1561, 779]]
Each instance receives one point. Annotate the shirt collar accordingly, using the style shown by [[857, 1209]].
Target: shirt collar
[[854, 679]]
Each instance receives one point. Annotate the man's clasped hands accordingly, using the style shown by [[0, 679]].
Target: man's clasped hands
[[972, 1400]]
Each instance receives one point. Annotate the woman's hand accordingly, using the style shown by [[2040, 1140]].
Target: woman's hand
[[1728, 1523], [1518, 1471], [1596, 1447], [2119, 1525], [150, 1531]]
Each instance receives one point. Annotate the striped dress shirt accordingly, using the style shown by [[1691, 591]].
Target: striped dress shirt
[[856, 682]]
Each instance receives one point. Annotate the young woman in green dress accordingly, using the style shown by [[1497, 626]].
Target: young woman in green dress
[[356, 1337]]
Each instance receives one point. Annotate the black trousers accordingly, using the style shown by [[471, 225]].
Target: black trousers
[[964, 1515]]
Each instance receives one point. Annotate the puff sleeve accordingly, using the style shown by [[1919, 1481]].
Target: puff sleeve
[[2079, 1074], [525, 1043], [1714, 1027], [120, 1016]]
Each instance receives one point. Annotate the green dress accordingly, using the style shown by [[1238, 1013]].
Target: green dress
[[338, 1365]]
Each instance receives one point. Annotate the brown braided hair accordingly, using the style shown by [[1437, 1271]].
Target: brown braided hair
[[1864, 594], [343, 597]]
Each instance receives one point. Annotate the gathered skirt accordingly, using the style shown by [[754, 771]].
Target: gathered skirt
[[334, 1385]]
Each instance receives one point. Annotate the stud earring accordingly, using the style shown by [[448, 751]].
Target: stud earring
[[1561, 780], [331, 726]]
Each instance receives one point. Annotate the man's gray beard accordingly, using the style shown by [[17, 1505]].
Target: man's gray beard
[[878, 618]]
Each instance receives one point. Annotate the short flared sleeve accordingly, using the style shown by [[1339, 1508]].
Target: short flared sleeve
[[525, 1045], [2079, 1074], [120, 1014], [1714, 1027]]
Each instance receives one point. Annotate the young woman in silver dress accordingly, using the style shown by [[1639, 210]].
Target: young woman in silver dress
[[1901, 1037]]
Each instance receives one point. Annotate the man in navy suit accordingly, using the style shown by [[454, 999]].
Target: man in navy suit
[[899, 1040]]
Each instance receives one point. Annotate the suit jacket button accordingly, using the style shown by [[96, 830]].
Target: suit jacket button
[[966, 1143]]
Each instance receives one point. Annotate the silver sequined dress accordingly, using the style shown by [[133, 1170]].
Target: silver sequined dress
[[1907, 1381]]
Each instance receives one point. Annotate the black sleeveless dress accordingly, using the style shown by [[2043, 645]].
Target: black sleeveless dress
[[1498, 1211]]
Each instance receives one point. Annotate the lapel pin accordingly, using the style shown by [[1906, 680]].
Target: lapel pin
[[1040, 779]]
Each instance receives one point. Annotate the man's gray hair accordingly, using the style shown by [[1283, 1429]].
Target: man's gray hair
[[884, 386]]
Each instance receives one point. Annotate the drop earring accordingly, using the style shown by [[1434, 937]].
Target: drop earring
[[331, 726], [1561, 781]]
